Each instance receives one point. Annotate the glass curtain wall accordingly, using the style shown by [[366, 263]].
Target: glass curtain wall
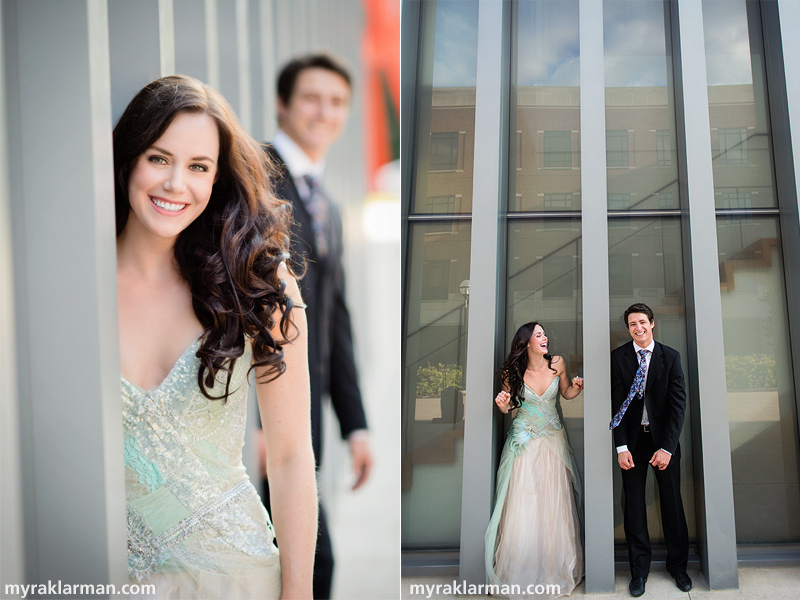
[[645, 249], [760, 383], [544, 226], [437, 277]]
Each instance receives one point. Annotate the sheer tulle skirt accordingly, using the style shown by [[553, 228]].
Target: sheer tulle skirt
[[250, 584], [537, 540]]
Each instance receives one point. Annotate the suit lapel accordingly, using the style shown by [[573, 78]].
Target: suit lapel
[[631, 362], [286, 186], [656, 364]]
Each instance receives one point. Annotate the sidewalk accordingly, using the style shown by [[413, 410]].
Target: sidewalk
[[755, 583]]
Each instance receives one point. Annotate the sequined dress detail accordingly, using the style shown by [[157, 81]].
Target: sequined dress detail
[[534, 534], [196, 525]]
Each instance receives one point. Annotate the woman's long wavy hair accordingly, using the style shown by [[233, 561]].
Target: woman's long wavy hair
[[230, 254], [512, 373]]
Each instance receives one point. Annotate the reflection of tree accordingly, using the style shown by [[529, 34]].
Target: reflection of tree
[[431, 380]]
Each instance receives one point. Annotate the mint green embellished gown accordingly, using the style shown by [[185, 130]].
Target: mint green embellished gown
[[196, 526], [534, 535]]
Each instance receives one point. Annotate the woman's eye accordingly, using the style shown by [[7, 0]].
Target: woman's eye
[[199, 168], [158, 160]]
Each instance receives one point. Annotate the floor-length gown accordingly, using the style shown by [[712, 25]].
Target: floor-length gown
[[196, 526], [534, 535]]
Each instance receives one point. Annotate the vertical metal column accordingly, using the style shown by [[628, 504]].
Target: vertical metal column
[[487, 278], [135, 38], [598, 460], [789, 11], [212, 44], [783, 75], [166, 37], [190, 39], [269, 72], [226, 25], [716, 534], [12, 564], [61, 184]]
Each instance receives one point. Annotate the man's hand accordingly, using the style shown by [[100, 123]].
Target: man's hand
[[625, 460], [660, 460], [362, 459]]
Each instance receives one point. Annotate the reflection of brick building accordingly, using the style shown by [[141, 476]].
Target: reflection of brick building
[[640, 150]]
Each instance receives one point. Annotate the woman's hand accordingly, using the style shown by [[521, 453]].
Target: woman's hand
[[503, 401], [285, 408], [577, 383]]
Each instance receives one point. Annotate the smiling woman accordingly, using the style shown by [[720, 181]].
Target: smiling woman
[[205, 297]]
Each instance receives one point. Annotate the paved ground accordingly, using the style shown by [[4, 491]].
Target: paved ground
[[365, 525], [755, 583]]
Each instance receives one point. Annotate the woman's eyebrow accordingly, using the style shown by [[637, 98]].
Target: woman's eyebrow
[[168, 153]]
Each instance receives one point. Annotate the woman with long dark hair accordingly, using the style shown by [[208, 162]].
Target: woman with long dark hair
[[534, 535], [205, 297]]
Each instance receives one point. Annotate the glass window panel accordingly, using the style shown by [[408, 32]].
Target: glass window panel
[[761, 397], [617, 148], [544, 285], [557, 149], [436, 307], [741, 139], [640, 106], [663, 148], [645, 265], [761, 403], [445, 148], [546, 109], [446, 118]]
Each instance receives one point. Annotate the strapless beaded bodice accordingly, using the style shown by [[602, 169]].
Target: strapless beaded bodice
[[537, 416], [190, 502]]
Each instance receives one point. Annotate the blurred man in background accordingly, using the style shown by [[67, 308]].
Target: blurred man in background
[[313, 104]]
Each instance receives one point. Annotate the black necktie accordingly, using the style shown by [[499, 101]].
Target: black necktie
[[317, 206]]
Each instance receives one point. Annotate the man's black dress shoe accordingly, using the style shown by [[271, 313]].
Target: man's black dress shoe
[[683, 582], [636, 586]]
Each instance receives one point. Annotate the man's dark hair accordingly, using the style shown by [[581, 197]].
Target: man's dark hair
[[639, 307], [290, 72]]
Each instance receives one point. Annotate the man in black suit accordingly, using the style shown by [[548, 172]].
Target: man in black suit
[[648, 402], [313, 104]]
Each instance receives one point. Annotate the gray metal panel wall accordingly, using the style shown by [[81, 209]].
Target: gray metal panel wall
[[783, 75], [12, 563], [135, 45], [717, 538], [190, 39], [62, 191], [486, 318], [598, 452]]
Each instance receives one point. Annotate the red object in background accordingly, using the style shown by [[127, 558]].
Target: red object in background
[[380, 55]]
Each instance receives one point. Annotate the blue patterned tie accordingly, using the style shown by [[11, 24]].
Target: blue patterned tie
[[637, 389]]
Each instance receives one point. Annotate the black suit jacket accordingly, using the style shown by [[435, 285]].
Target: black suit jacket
[[665, 396], [330, 342]]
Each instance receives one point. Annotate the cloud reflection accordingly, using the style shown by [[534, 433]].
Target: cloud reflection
[[455, 53]]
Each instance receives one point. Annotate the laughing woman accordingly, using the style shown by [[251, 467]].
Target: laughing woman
[[204, 297], [534, 535]]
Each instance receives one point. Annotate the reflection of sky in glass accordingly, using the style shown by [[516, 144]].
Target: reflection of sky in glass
[[455, 52], [633, 34], [548, 43], [727, 42]]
